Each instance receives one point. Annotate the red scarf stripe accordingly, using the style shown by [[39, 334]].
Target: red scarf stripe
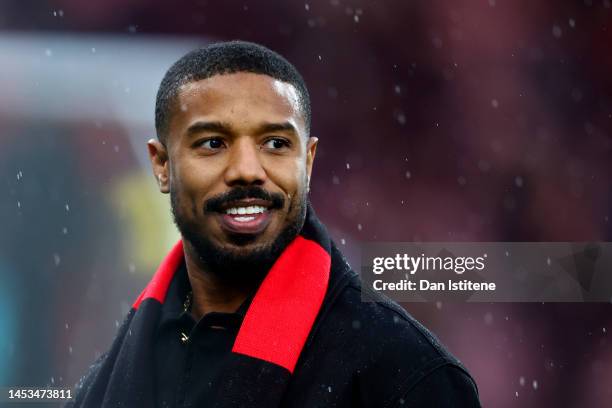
[[284, 308], [159, 284]]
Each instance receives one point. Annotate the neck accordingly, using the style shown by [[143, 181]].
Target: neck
[[210, 293]]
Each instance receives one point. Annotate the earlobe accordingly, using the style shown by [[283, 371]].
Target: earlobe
[[162, 182]]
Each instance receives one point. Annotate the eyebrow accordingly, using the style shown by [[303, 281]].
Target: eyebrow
[[226, 128], [219, 127], [277, 127]]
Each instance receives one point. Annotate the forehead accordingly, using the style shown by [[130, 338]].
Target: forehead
[[241, 99]]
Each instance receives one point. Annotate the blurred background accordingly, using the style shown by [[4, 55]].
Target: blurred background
[[464, 120]]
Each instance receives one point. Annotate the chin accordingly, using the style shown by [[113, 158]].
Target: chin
[[245, 244]]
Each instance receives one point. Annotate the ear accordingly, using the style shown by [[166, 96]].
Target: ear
[[311, 150], [158, 155]]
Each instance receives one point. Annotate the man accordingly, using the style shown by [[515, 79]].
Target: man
[[256, 307]]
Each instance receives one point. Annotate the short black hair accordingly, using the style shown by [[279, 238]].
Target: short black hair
[[225, 58]]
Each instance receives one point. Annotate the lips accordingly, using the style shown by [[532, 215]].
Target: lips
[[249, 216]]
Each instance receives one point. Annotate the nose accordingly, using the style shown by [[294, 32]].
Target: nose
[[244, 166]]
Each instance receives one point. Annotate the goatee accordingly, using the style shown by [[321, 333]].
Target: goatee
[[239, 267]]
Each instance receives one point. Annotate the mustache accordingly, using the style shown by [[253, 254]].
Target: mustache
[[216, 203]]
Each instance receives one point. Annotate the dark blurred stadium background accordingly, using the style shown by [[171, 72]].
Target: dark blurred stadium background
[[463, 120]]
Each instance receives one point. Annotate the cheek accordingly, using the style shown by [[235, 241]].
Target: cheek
[[297, 187], [289, 174], [293, 190], [191, 184]]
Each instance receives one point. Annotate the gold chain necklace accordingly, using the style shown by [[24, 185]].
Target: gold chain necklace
[[186, 308], [187, 302]]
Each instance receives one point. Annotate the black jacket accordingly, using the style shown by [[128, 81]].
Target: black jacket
[[352, 353], [374, 354]]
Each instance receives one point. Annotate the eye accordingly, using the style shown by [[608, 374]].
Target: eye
[[213, 143], [276, 143]]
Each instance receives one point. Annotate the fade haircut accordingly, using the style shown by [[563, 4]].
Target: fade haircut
[[225, 58]]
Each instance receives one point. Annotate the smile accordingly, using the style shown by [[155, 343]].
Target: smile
[[245, 214], [245, 218]]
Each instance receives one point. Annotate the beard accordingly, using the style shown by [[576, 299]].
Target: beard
[[238, 266]]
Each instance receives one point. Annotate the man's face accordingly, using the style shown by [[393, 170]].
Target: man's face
[[237, 163]]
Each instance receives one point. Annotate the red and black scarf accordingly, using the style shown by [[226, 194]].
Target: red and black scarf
[[266, 348]]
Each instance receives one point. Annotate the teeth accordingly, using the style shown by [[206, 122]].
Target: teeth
[[254, 209], [244, 219]]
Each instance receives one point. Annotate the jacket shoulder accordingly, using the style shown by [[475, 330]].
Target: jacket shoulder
[[392, 351], [384, 324]]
